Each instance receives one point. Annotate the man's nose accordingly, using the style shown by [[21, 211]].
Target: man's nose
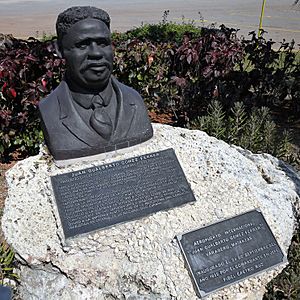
[[95, 50]]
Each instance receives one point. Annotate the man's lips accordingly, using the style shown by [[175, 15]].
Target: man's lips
[[97, 67]]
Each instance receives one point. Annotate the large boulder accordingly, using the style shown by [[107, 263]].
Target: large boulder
[[141, 259]]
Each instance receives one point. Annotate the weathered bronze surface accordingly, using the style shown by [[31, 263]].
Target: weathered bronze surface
[[90, 112]]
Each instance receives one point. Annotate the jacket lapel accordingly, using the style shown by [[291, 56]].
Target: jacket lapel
[[125, 114], [72, 120]]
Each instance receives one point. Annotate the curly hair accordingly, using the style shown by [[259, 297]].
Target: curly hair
[[72, 15]]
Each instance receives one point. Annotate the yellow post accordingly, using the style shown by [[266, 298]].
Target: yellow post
[[261, 17]]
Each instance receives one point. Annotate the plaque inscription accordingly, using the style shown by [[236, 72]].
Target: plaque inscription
[[120, 191], [229, 251]]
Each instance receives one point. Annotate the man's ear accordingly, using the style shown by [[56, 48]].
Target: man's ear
[[57, 49]]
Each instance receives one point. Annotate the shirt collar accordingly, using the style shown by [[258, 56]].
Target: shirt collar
[[85, 100]]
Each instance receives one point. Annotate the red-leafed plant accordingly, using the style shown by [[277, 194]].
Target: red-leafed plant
[[177, 69], [29, 70], [179, 76]]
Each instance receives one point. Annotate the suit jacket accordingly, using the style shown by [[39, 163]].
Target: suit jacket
[[68, 136]]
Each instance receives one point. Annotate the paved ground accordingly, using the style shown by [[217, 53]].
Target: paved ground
[[24, 18]]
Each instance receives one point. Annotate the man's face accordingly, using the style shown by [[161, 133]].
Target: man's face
[[88, 53]]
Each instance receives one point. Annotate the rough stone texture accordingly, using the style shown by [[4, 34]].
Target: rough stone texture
[[141, 259]]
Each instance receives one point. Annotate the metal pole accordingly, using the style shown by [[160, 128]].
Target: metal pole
[[261, 17]]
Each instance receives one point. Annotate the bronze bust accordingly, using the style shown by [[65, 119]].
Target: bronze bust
[[90, 112]]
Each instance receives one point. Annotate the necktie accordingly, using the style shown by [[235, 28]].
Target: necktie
[[100, 119]]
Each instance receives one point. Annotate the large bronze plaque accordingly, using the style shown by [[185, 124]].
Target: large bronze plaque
[[121, 191], [229, 251]]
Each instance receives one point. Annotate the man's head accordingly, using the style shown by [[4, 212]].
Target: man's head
[[72, 15], [84, 41]]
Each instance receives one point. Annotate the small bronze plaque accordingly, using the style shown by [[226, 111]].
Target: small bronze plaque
[[5, 293], [229, 251], [120, 191]]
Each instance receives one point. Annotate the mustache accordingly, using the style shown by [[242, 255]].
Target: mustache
[[95, 64]]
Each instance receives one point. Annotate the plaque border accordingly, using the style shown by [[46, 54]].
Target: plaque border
[[200, 293]]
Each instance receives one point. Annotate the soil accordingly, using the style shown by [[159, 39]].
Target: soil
[[162, 118]]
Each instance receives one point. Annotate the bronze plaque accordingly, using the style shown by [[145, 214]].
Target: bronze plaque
[[229, 251], [120, 191]]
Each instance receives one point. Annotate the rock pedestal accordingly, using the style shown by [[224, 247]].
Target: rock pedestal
[[140, 259]]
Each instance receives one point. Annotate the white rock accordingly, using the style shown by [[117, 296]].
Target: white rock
[[140, 259]]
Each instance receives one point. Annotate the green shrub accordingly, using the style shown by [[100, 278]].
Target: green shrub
[[163, 32], [254, 131]]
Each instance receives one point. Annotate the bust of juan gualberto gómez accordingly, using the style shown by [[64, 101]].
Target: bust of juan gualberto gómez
[[90, 112]]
